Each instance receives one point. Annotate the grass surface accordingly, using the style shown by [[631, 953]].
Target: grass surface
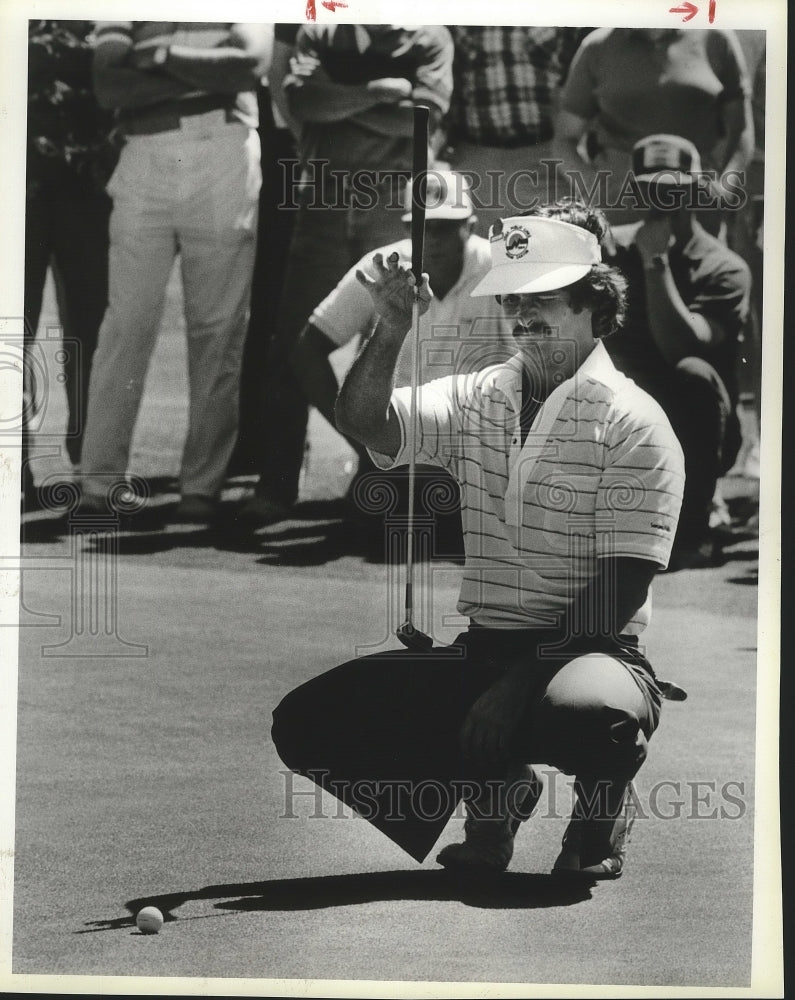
[[151, 778]]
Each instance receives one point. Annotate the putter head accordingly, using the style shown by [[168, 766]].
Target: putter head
[[412, 638]]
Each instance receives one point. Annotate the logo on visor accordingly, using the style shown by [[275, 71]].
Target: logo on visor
[[516, 242]]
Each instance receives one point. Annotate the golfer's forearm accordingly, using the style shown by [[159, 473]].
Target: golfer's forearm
[[606, 605], [363, 409]]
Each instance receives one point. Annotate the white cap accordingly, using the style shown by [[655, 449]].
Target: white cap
[[666, 159], [534, 254], [446, 196]]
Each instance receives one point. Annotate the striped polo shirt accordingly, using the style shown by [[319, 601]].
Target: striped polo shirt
[[600, 474], [195, 34]]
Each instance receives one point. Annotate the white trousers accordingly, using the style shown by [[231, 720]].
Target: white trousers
[[192, 191]]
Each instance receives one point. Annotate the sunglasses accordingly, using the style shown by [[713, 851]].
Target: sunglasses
[[512, 299]]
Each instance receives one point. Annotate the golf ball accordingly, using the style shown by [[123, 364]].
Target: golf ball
[[149, 920]]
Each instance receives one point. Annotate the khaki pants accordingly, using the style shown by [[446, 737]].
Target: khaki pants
[[191, 191]]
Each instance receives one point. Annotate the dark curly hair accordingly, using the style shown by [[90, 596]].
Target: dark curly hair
[[576, 213], [604, 289]]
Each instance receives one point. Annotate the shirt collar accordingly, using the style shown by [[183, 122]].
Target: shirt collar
[[597, 366]]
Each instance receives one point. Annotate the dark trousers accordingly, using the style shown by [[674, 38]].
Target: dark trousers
[[381, 499], [326, 242], [382, 732], [697, 403], [69, 233], [274, 231]]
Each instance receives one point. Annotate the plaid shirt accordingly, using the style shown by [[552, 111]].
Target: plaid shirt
[[505, 81]]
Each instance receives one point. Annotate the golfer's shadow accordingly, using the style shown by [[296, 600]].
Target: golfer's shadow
[[510, 890]]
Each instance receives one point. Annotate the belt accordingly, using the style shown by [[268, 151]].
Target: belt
[[625, 647]]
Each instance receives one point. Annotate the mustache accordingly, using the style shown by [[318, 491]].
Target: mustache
[[522, 326]]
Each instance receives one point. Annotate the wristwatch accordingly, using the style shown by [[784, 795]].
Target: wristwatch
[[658, 262], [160, 55]]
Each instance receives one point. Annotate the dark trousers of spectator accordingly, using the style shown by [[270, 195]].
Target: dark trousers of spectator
[[380, 499], [326, 242], [697, 403], [276, 219], [69, 234]]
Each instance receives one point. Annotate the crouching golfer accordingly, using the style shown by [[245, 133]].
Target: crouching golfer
[[571, 482]]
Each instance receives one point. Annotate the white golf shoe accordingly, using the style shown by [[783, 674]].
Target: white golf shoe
[[488, 843], [586, 852]]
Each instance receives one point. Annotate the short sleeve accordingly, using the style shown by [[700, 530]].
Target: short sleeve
[[640, 490], [436, 425], [579, 91], [434, 74], [347, 311]]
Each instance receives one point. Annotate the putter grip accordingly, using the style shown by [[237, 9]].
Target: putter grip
[[419, 183]]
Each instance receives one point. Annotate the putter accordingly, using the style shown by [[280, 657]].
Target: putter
[[408, 633]]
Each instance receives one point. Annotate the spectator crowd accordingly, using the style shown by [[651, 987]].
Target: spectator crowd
[[273, 162]]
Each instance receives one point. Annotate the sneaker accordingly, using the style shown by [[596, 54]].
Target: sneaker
[[488, 842], [260, 510], [194, 508], [581, 848]]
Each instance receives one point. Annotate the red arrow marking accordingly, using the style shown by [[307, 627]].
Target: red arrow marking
[[688, 9], [712, 6], [311, 13]]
